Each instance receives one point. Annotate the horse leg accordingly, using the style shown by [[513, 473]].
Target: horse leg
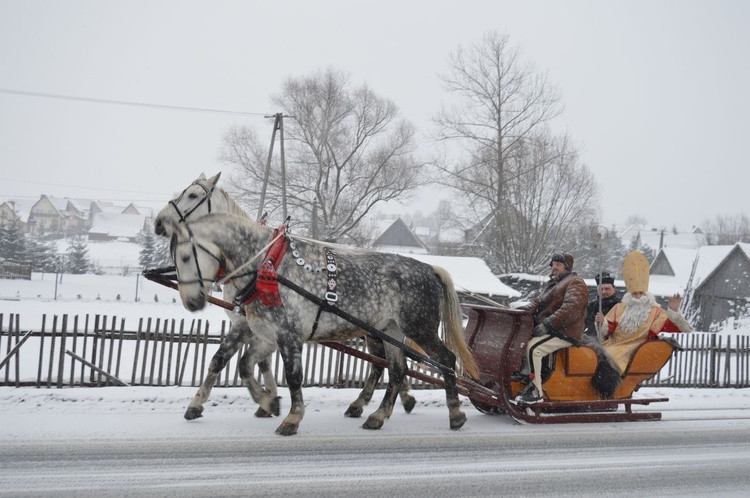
[[291, 352], [439, 352], [258, 351], [407, 400], [396, 375], [269, 387], [236, 337], [374, 346]]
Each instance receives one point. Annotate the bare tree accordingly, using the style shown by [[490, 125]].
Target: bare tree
[[727, 230], [346, 150], [548, 207], [525, 188]]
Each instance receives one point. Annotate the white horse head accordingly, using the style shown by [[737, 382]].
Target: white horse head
[[197, 264], [195, 201]]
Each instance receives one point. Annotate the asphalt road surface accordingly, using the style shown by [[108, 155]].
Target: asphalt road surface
[[683, 458]]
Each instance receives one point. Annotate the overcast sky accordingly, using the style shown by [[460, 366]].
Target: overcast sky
[[656, 92]]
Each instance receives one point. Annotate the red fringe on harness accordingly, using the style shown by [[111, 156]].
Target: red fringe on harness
[[267, 284]]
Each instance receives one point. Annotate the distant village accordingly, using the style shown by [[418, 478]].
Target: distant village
[[100, 221], [714, 279]]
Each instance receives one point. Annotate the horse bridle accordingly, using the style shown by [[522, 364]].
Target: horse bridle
[[195, 246], [184, 217]]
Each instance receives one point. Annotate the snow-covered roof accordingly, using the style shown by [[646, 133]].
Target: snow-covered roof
[[469, 274], [710, 257], [22, 207], [697, 264], [117, 225]]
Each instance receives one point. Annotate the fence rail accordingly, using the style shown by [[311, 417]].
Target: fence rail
[[100, 351], [15, 270]]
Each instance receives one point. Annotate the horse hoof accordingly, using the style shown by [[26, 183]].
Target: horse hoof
[[286, 429], [458, 422], [261, 413], [373, 423], [353, 412], [192, 413], [409, 403], [276, 406]]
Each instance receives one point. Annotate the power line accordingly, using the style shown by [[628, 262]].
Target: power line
[[128, 103], [83, 187]]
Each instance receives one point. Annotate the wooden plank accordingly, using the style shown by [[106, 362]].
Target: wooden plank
[[204, 352], [41, 351], [120, 339], [7, 346], [162, 351], [146, 341], [134, 370], [184, 358], [15, 348], [51, 351], [155, 337], [61, 357], [97, 369], [111, 348], [179, 351]]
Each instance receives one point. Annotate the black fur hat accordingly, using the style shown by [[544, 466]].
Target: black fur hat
[[604, 278]]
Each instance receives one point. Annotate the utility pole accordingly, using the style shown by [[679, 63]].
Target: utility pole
[[278, 125]]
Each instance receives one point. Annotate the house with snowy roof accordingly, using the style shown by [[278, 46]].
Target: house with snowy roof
[[118, 226], [641, 236], [399, 238], [473, 279], [16, 209], [715, 281]]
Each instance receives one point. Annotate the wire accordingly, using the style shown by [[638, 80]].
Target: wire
[[128, 103]]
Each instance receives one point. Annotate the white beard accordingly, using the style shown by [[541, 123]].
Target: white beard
[[636, 311]]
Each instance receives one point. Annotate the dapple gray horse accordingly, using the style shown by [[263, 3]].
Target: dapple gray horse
[[203, 197], [396, 294]]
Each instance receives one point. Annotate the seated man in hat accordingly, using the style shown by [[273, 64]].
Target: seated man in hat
[[638, 318], [559, 313], [607, 296]]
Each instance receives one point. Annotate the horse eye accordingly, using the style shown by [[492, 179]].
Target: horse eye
[[185, 259], [193, 196]]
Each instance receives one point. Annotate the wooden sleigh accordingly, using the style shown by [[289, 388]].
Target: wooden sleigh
[[498, 340]]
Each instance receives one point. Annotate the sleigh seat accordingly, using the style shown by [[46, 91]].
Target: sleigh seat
[[568, 376]]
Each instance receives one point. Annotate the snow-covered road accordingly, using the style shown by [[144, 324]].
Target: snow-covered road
[[134, 441]]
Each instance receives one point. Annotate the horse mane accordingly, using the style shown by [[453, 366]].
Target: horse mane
[[232, 205]]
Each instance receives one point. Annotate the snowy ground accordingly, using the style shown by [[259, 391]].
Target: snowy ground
[[119, 441], [126, 412]]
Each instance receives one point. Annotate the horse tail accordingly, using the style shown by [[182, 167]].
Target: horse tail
[[450, 313]]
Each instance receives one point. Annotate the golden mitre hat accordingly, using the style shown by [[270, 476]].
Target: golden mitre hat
[[635, 272]]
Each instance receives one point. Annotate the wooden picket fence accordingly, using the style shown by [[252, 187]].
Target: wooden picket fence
[[101, 351]]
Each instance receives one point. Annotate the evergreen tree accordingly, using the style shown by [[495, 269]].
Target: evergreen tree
[[148, 249], [42, 253], [12, 241], [162, 252], [154, 252], [78, 260]]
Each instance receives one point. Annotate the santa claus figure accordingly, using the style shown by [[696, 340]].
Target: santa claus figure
[[638, 318]]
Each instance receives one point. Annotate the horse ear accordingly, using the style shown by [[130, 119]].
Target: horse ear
[[214, 180], [202, 177]]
